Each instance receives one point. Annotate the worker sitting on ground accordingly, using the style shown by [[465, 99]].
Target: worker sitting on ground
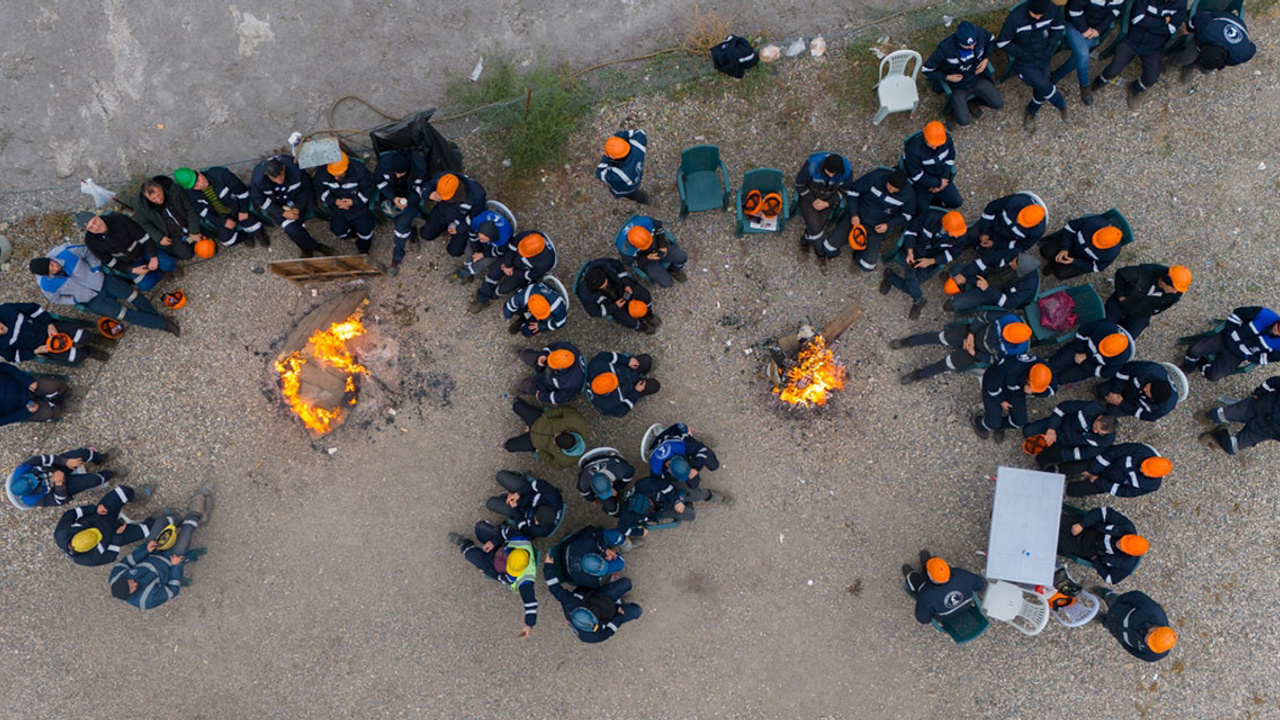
[[594, 615], [121, 245], [1249, 335], [71, 275], [26, 398], [1071, 436], [401, 179], [164, 212], [1105, 539], [1123, 470], [616, 382], [533, 507], [152, 574], [939, 589], [458, 199], [559, 373], [592, 556], [28, 333], [535, 310], [643, 242], [346, 188], [222, 201], [512, 562], [606, 289], [284, 192], [985, 338], [93, 534]]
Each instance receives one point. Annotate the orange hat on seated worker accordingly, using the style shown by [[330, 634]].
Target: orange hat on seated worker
[[858, 237], [447, 186], [605, 382], [1107, 237], [538, 306], [531, 245], [616, 148], [938, 570], [950, 287], [1113, 344], [954, 225], [1031, 215], [637, 309], [1133, 545], [935, 133], [1181, 278], [1156, 467], [1039, 377], [339, 166], [1016, 333], [1162, 639], [561, 359], [640, 238]]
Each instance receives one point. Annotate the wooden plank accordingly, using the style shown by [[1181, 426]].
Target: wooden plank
[[834, 328], [324, 269]]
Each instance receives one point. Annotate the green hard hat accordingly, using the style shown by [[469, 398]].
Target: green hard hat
[[186, 177]]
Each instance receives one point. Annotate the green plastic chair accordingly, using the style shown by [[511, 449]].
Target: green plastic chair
[[703, 180], [964, 625], [1088, 308], [766, 180], [1117, 218]]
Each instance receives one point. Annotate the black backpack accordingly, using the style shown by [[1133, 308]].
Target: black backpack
[[734, 56]]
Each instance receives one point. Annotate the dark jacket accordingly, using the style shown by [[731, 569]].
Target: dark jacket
[[558, 387], [174, 218], [356, 185], [623, 398], [159, 581], [1000, 221], [86, 517], [1077, 240], [1006, 379], [28, 330], [676, 440], [989, 345], [590, 540], [1097, 14], [1098, 542], [622, 286], [1088, 336], [1152, 23], [1138, 293], [928, 166], [926, 238], [872, 204], [1028, 41], [520, 300], [1119, 470], [230, 191], [1225, 31], [123, 245], [1129, 381], [1247, 334], [813, 184], [1130, 618], [15, 393], [1266, 399], [623, 176], [411, 187], [530, 269], [1073, 421], [571, 600], [43, 466], [947, 59], [617, 470], [534, 494], [648, 497], [938, 601], [295, 191]]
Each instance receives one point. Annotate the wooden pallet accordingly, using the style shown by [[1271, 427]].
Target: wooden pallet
[[325, 269]]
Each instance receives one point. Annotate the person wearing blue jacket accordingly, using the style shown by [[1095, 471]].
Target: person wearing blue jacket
[[52, 480], [401, 180], [24, 398], [822, 181], [346, 189], [962, 61], [93, 534], [1259, 413], [71, 275], [1138, 623], [1139, 389], [1075, 432], [25, 331], [621, 167], [878, 202], [594, 615], [1099, 349], [151, 575], [560, 373], [1152, 24], [1088, 21], [676, 441], [533, 507], [1249, 335], [653, 500], [931, 241], [221, 199], [1123, 470], [616, 382], [1218, 40], [929, 158], [491, 233], [643, 242], [1005, 387], [592, 556], [1084, 245], [1105, 539], [939, 589], [512, 561], [458, 199], [285, 193], [1030, 36], [984, 338]]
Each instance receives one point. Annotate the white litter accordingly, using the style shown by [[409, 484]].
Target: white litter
[[1262, 166], [333, 450], [101, 196], [769, 53], [947, 20], [810, 583], [796, 47], [475, 74]]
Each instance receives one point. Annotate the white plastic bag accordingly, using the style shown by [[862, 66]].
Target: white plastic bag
[[101, 196]]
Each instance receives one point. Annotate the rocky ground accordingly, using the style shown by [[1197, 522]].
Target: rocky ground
[[330, 590]]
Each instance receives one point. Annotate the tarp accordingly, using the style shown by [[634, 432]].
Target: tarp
[[416, 133]]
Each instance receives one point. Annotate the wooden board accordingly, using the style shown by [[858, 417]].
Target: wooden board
[[834, 328], [325, 269], [335, 310]]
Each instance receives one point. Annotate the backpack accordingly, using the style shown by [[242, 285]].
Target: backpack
[[1057, 311], [734, 56], [603, 609]]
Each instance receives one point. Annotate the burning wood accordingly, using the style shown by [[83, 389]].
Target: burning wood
[[318, 376], [813, 377]]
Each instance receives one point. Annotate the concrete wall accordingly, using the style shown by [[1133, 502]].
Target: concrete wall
[[108, 88]]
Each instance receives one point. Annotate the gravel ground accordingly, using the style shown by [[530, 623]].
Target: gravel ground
[[330, 590]]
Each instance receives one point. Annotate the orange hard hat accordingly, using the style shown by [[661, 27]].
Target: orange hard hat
[[954, 225], [938, 570], [1162, 639], [858, 237], [935, 133], [640, 238], [447, 186], [175, 300], [1035, 444], [205, 248], [561, 359], [1113, 344], [1039, 377], [1156, 467], [950, 287], [637, 309], [1016, 333], [538, 306], [531, 245], [1107, 237], [1031, 215], [110, 328], [616, 148], [1134, 545], [59, 343], [605, 382], [339, 166], [1181, 278]]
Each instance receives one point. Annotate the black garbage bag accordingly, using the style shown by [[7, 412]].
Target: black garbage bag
[[416, 133]]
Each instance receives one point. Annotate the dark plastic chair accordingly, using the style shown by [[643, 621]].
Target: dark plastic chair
[[703, 180], [963, 625], [766, 180], [1117, 218], [1088, 308]]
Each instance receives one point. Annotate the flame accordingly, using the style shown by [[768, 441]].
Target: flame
[[813, 377], [327, 347]]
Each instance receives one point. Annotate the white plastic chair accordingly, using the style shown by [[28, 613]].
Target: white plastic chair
[[1036, 199], [1026, 610], [897, 90], [504, 211], [646, 443], [1080, 612], [554, 283], [596, 454], [1178, 380]]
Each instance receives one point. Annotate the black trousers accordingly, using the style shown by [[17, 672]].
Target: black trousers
[[1152, 66], [983, 91]]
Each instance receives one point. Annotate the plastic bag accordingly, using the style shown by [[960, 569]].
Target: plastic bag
[[1057, 311], [101, 196]]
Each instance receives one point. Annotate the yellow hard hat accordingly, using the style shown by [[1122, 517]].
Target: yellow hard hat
[[86, 540], [517, 561]]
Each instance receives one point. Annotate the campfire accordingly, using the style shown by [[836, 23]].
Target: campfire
[[318, 369], [812, 378]]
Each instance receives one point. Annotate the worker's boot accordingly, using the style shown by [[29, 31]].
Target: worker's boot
[[1086, 94], [457, 539], [978, 429], [517, 321], [263, 238], [1184, 75], [1029, 121], [678, 274], [1135, 98], [916, 307], [201, 501], [911, 377], [886, 282], [178, 272], [97, 353], [394, 270], [478, 306], [172, 328]]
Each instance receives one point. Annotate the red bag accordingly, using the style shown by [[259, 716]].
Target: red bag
[[1057, 311]]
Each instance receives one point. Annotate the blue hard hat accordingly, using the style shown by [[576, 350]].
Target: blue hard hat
[[593, 564], [25, 484], [584, 620], [601, 486], [679, 468]]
